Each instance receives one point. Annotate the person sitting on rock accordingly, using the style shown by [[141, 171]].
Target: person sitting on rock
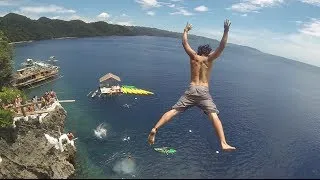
[[17, 104], [51, 100], [70, 136], [53, 94], [65, 138], [35, 100], [43, 102]]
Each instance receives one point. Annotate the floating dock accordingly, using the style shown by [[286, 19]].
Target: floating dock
[[109, 84]]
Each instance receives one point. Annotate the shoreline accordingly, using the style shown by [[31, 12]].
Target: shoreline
[[20, 42], [65, 38], [30, 41]]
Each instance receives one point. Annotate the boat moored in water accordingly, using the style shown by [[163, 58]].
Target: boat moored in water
[[34, 72]]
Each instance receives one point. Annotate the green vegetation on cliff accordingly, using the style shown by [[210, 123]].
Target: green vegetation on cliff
[[5, 61], [7, 94]]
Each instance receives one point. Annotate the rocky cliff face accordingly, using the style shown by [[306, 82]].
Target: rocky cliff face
[[26, 153]]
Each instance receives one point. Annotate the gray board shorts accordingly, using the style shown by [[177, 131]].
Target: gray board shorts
[[196, 96]]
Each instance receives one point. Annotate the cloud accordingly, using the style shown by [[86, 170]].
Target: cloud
[[45, 9], [65, 17], [148, 3], [29, 15], [77, 17], [74, 17], [124, 23], [55, 17], [253, 5], [150, 13], [119, 20], [301, 46], [311, 28], [103, 16], [246, 6], [3, 14], [122, 19], [201, 8], [182, 11], [5, 3], [9, 2], [171, 5], [176, 0], [312, 2], [244, 15]]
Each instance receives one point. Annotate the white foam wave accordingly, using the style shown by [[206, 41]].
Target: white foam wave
[[100, 132]]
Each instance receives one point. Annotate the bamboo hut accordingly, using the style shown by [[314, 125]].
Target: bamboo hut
[[110, 84]]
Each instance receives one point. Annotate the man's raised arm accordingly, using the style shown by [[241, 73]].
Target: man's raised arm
[[185, 43], [223, 42]]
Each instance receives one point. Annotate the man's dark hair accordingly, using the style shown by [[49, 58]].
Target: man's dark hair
[[204, 50]]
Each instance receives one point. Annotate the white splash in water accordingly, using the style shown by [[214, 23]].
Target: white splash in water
[[125, 166], [190, 131], [126, 138], [126, 105], [100, 131]]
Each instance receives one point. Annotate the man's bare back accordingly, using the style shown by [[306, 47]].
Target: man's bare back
[[200, 70], [201, 61], [197, 94]]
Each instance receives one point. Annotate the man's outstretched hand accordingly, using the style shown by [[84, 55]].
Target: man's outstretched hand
[[188, 27], [227, 24]]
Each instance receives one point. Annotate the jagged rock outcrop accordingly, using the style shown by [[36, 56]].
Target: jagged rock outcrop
[[26, 153]]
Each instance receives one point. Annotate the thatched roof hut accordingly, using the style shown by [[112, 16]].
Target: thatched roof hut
[[109, 80]]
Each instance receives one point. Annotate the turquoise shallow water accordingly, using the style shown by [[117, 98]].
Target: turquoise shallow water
[[269, 108]]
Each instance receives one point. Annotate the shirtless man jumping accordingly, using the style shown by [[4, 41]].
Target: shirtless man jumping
[[198, 92]]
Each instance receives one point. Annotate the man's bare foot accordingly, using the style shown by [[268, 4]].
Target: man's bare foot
[[227, 147], [152, 136]]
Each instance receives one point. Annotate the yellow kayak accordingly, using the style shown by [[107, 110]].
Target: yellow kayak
[[124, 90], [134, 90]]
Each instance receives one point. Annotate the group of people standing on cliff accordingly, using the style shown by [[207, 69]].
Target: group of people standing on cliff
[[32, 105]]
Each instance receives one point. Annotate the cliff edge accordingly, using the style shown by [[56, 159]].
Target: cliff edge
[[25, 151]]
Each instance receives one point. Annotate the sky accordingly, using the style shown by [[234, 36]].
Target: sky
[[287, 28]]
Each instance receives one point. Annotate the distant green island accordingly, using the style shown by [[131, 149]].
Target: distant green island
[[21, 28]]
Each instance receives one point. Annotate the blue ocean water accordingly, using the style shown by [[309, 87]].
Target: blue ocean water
[[269, 107]]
